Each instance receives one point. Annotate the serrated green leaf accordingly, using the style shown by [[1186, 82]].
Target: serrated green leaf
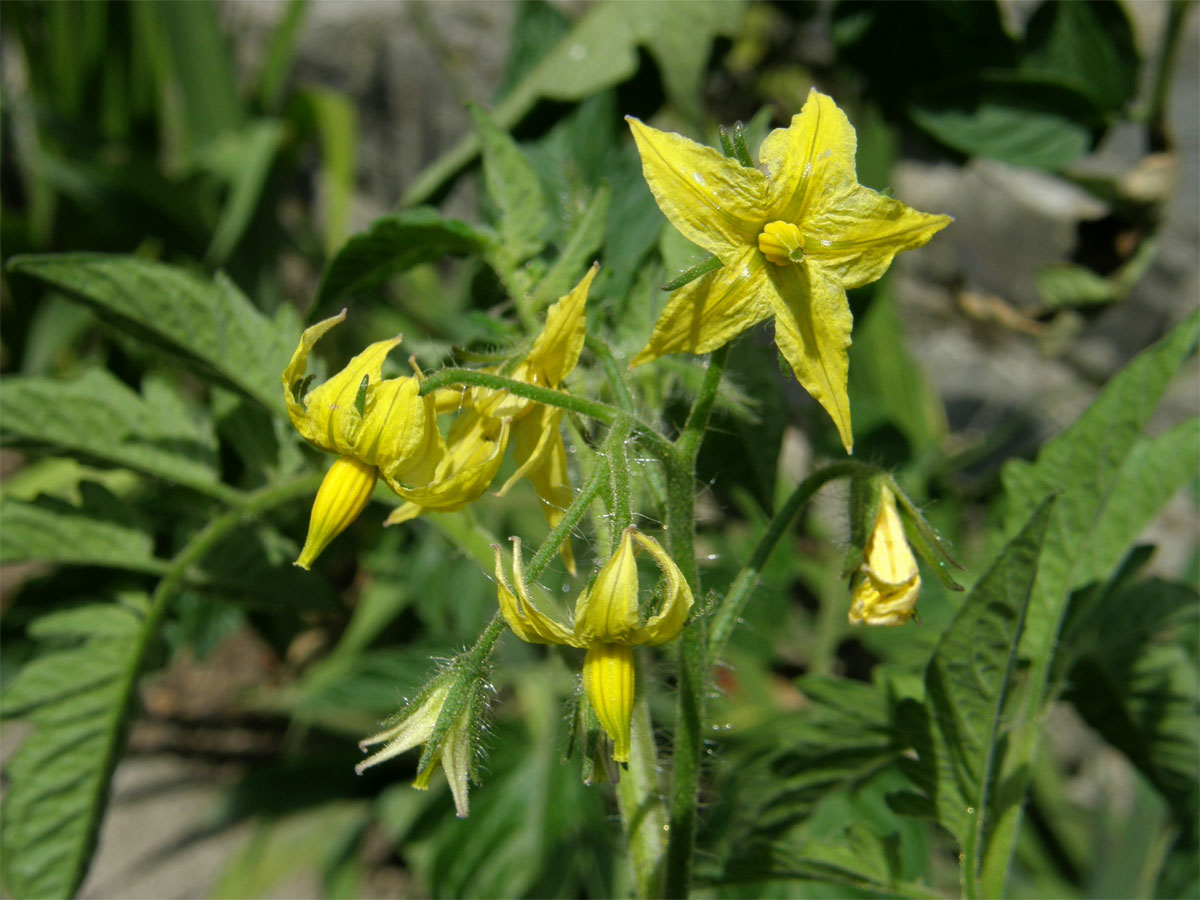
[[208, 324], [95, 534], [967, 683], [512, 185], [1094, 522], [77, 699], [393, 244], [1091, 527], [96, 416]]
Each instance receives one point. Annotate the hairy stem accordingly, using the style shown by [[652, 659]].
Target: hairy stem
[[693, 643], [726, 616], [639, 798]]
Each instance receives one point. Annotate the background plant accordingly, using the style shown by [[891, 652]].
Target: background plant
[[161, 495]]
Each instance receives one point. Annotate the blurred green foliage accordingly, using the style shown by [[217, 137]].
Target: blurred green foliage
[[169, 222]]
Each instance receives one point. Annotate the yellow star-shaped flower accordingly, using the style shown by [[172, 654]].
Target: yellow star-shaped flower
[[792, 235]]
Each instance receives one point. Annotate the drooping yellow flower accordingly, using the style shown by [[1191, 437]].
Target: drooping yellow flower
[[887, 583], [606, 624], [475, 450], [378, 428], [792, 235], [479, 436]]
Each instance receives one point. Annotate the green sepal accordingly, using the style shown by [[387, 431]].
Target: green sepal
[[700, 269], [925, 541]]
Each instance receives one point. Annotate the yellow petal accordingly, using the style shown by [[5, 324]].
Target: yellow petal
[[711, 311], [397, 428], [854, 235], [343, 494], [715, 202], [812, 156], [607, 612], [541, 457], [556, 350], [473, 456], [677, 598], [526, 620], [331, 419], [812, 329], [890, 583], [609, 679], [293, 375]]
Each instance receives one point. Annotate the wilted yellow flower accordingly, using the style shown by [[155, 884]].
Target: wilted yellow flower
[[792, 235], [378, 428], [479, 436], [416, 726], [606, 624], [887, 584], [475, 450]]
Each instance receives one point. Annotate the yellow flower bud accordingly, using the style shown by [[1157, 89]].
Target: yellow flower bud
[[887, 583], [608, 678], [342, 496]]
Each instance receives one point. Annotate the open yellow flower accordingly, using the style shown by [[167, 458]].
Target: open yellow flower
[[378, 428], [887, 584], [792, 236], [606, 624]]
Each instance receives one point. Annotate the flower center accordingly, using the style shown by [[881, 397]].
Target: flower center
[[781, 243]]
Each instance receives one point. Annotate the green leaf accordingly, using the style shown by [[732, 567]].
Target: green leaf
[[512, 184], [1113, 480], [78, 699], [599, 51], [959, 735], [281, 50], [96, 416], [583, 242], [1133, 679], [336, 121], [392, 245], [282, 847], [1020, 122], [886, 381], [208, 324], [1089, 47], [242, 159], [97, 533], [203, 68]]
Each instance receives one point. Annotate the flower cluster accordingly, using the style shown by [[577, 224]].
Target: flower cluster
[[385, 428], [788, 238]]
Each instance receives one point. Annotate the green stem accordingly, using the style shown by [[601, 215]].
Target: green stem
[[693, 643], [452, 377], [612, 372], [639, 799], [619, 488], [727, 614], [560, 532]]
